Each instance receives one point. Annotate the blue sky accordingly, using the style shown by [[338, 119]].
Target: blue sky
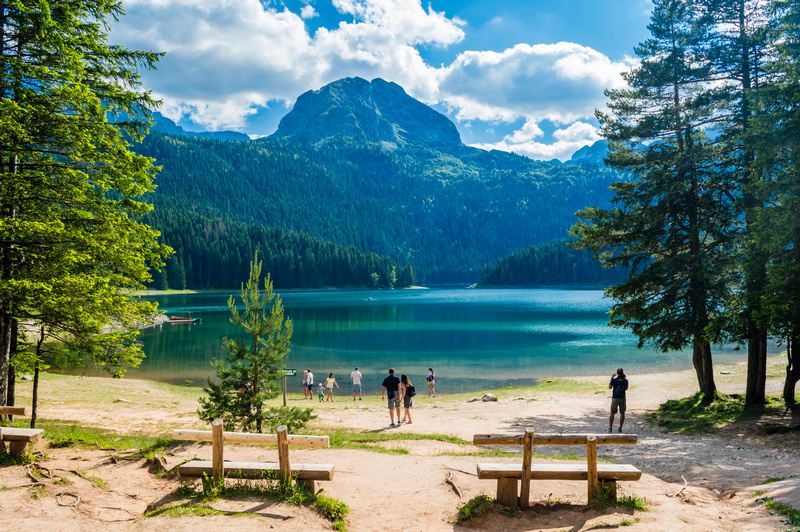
[[522, 76]]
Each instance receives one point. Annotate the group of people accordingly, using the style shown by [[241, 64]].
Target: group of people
[[325, 392], [399, 390]]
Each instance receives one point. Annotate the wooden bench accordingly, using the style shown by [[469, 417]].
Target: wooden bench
[[218, 469], [598, 476], [18, 439]]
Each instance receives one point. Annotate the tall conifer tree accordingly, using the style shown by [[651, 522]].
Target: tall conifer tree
[[69, 186], [668, 225]]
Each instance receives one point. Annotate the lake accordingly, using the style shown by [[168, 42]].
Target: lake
[[475, 339]]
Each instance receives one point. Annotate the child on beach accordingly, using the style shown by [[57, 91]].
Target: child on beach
[[321, 392]]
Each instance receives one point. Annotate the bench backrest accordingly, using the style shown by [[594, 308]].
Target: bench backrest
[[297, 440], [528, 439], [554, 439], [217, 436], [13, 411]]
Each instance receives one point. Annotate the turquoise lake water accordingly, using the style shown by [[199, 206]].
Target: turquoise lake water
[[474, 339]]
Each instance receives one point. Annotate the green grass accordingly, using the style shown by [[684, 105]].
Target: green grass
[[344, 439], [792, 516], [697, 413], [475, 507], [64, 434], [269, 488], [605, 500], [624, 522], [778, 479]]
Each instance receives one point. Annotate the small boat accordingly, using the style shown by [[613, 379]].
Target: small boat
[[183, 319]]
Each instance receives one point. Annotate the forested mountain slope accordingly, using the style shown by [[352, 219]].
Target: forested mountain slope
[[384, 175]]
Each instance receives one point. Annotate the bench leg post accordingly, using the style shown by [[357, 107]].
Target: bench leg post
[[609, 487], [217, 450], [591, 467], [507, 492], [309, 484], [17, 447], [527, 455], [283, 455]]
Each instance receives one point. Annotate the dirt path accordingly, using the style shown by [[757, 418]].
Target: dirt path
[[395, 492]]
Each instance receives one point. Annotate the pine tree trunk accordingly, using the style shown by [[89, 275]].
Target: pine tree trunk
[[704, 367], [792, 372], [35, 399]]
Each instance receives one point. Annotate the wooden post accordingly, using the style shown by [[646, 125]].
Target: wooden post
[[283, 455], [507, 491], [217, 439], [284, 389], [527, 455], [591, 466]]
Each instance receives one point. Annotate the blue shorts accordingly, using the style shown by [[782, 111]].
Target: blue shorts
[[356, 388]]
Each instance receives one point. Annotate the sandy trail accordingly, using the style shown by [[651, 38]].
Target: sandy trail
[[396, 492]]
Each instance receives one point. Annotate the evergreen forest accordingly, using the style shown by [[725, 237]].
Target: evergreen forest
[[445, 211], [554, 263]]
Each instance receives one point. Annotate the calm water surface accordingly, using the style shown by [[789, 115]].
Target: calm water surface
[[474, 339]]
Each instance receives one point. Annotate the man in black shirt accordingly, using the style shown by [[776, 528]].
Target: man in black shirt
[[618, 386], [391, 387]]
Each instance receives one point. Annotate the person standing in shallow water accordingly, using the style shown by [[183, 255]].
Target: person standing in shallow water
[[618, 386]]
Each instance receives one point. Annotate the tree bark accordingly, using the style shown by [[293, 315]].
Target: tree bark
[[792, 372], [704, 367]]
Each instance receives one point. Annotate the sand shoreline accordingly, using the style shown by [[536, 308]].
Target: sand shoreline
[[722, 470]]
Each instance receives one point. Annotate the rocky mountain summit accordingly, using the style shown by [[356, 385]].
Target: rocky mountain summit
[[378, 111]]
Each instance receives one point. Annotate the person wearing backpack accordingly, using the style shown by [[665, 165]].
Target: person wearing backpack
[[618, 386], [408, 392]]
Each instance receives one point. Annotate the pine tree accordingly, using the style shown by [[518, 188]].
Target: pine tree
[[70, 189], [252, 371], [668, 225]]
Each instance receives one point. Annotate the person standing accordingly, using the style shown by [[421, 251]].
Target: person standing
[[391, 389], [431, 378], [407, 393], [306, 391], [310, 384], [618, 386], [330, 382], [356, 378]]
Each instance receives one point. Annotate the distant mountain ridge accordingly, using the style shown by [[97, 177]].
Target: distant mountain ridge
[[165, 125], [363, 164], [376, 111]]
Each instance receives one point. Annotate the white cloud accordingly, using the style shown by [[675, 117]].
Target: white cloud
[[568, 141], [560, 82], [307, 12], [228, 58]]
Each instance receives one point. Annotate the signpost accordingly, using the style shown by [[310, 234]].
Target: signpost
[[291, 372]]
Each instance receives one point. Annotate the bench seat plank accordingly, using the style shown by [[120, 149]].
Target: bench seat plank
[[17, 434], [256, 470], [559, 471]]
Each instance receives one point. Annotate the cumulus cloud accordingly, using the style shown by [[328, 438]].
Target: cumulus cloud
[[568, 141], [228, 58], [307, 12]]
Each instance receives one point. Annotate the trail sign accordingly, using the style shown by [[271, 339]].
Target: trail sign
[[291, 372]]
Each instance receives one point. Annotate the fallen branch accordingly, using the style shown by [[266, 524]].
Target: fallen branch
[[684, 486], [449, 480], [461, 471]]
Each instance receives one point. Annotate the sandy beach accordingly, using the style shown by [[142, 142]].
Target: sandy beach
[[691, 482]]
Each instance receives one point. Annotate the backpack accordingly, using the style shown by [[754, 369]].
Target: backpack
[[410, 391], [619, 387]]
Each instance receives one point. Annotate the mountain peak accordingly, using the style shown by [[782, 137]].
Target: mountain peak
[[376, 111]]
